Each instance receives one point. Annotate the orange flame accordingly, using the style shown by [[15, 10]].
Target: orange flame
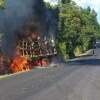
[[19, 64]]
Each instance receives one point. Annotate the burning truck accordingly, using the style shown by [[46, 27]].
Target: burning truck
[[24, 45], [31, 51]]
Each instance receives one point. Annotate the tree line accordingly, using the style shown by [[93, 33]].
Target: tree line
[[78, 29]]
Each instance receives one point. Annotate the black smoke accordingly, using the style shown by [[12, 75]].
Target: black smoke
[[16, 15]]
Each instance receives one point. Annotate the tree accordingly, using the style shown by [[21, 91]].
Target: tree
[[70, 26], [77, 28], [2, 4], [89, 27]]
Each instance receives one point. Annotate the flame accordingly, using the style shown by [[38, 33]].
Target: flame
[[19, 64]]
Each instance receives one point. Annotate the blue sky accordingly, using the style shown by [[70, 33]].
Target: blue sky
[[94, 4]]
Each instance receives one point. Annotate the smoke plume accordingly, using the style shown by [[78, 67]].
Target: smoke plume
[[16, 16]]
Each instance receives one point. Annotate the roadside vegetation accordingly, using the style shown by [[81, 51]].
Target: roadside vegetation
[[78, 29]]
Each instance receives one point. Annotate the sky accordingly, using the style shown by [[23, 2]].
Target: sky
[[94, 4]]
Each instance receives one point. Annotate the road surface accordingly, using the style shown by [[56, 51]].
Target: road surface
[[77, 80]]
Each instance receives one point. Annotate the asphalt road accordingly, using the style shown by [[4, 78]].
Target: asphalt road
[[77, 80]]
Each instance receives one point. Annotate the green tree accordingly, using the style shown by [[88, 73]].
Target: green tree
[[2, 4], [70, 26], [89, 27], [77, 28]]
